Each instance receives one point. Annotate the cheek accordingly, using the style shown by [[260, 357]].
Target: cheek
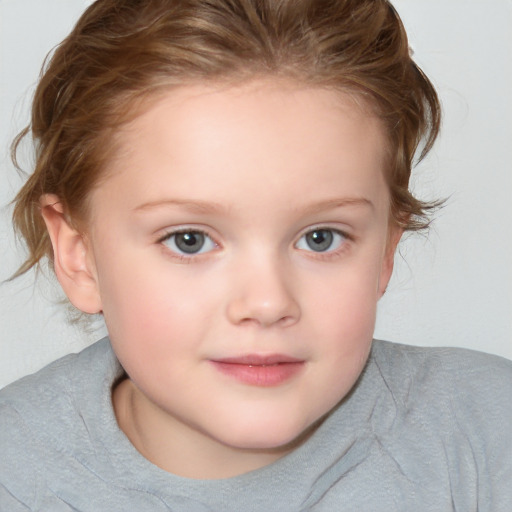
[[146, 305], [344, 322], [348, 297], [348, 324], [344, 316]]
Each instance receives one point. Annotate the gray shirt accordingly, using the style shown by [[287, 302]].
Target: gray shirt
[[422, 430]]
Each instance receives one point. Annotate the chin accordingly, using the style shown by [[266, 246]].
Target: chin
[[272, 438]]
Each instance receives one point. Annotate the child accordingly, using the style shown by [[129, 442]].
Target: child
[[226, 183]]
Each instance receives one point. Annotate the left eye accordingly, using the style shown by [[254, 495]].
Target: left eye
[[189, 242], [321, 240]]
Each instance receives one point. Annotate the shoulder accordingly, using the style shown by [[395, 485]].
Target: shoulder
[[40, 417], [463, 398], [467, 374], [54, 386], [44, 400]]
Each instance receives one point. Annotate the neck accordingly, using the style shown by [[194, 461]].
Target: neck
[[180, 448]]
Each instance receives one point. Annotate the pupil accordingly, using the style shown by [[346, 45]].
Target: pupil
[[319, 240], [190, 242]]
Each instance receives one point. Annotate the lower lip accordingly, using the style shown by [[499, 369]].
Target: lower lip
[[259, 375]]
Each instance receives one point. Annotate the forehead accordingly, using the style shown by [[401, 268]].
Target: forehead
[[211, 140]]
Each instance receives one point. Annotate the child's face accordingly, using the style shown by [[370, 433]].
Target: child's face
[[238, 248]]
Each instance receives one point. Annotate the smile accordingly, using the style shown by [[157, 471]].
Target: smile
[[263, 371]]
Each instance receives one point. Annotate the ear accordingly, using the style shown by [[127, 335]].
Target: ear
[[73, 261], [394, 235]]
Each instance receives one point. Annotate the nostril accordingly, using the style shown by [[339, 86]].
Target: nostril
[[263, 298], [285, 321], [243, 312]]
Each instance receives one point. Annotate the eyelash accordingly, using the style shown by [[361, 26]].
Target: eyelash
[[187, 258], [328, 254], [322, 255]]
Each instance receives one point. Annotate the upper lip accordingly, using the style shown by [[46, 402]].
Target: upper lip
[[259, 360]]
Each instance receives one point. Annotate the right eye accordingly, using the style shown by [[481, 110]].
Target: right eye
[[189, 242]]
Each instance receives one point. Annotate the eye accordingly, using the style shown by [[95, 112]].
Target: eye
[[188, 242], [321, 240]]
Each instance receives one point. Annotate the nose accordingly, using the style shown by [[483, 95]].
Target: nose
[[262, 296]]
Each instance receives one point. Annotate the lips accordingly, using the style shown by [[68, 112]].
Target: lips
[[260, 370]]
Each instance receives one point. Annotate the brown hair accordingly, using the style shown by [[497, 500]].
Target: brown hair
[[123, 51]]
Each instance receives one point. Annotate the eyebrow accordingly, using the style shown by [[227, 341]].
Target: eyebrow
[[207, 207], [331, 204], [196, 206]]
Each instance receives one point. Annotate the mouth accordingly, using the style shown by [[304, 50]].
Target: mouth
[[257, 370]]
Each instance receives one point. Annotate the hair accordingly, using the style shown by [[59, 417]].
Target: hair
[[123, 52]]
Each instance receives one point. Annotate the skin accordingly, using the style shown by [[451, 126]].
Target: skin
[[255, 167]]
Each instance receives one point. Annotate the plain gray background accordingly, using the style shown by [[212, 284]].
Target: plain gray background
[[453, 288]]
